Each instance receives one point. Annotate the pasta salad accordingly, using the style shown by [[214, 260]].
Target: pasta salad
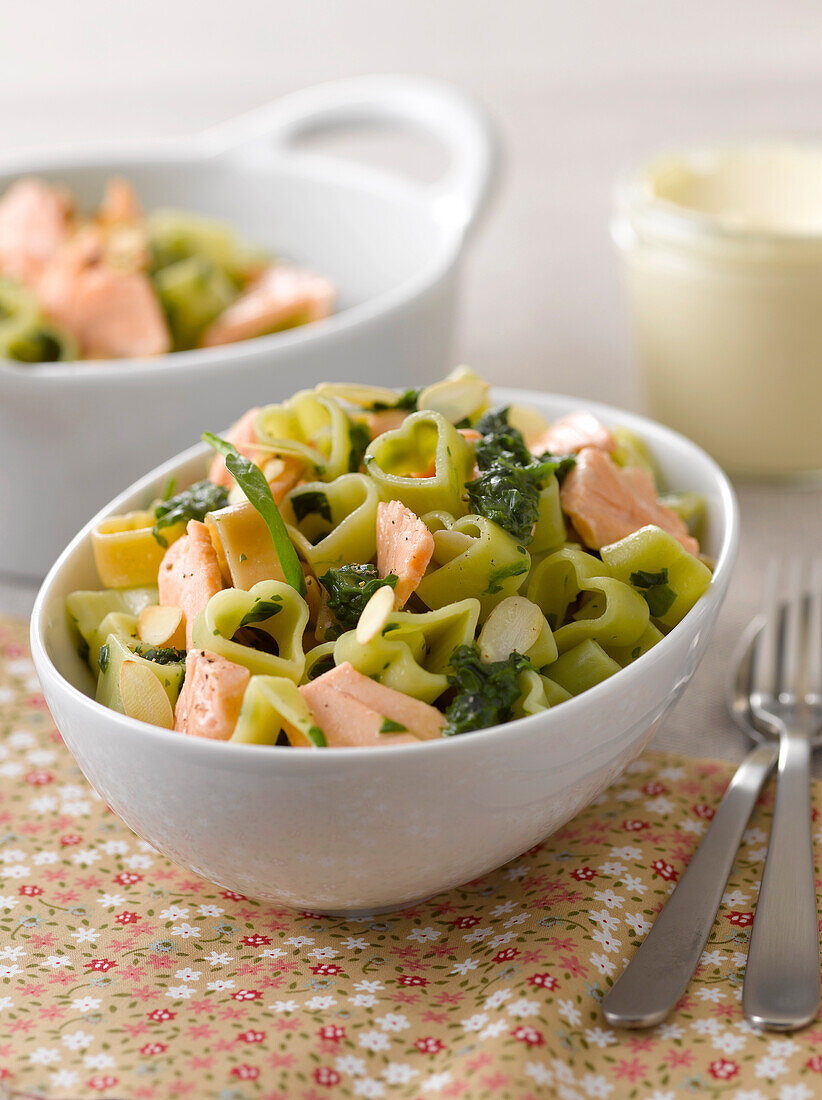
[[367, 568]]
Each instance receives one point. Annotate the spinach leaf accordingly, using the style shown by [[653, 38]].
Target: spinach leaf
[[407, 401], [161, 656], [359, 437], [654, 587], [104, 657], [496, 576], [349, 589], [486, 691], [192, 503], [251, 480], [306, 504], [262, 610], [390, 726]]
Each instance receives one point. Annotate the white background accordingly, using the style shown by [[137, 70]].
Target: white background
[[578, 89]]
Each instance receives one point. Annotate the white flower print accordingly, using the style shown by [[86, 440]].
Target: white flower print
[[210, 910], [374, 1040], [605, 919], [111, 901], [56, 961], [179, 992], [44, 1056], [174, 912], [317, 1004], [539, 1072], [734, 898], [523, 1007], [185, 930], [562, 1072], [77, 1040], [598, 1037], [349, 1063], [86, 1004], [604, 965], [86, 935], [503, 938], [659, 806], [799, 1091], [693, 825], [420, 935], [138, 863], [519, 870], [612, 867], [355, 943], [505, 907], [464, 966], [43, 804], [569, 1011], [363, 1000], [626, 852], [712, 993], [436, 1082], [9, 971], [6, 1002], [40, 859], [606, 940], [283, 1006], [76, 809], [271, 953], [707, 1027], [711, 958], [299, 941], [7, 901], [477, 934], [475, 1022], [187, 975], [494, 1030], [40, 757], [498, 997], [221, 958], [368, 987], [64, 1079], [85, 856], [98, 1061], [114, 847], [670, 1031], [728, 1042], [770, 1067], [12, 952], [518, 918], [17, 870], [639, 922], [21, 739], [782, 1048], [398, 1073], [369, 1087], [323, 953], [393, 1021], [220, 985], [596, 1086], [609, 898]]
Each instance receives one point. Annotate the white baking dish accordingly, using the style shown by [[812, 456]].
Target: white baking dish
[[71, 435]]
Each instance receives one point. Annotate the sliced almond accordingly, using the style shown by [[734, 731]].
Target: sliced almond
[[143, 695], [375, 614], [274, 468], [162, 626], [362, 396], [514, 625], [291, 449], [531, 423], [460, 395]]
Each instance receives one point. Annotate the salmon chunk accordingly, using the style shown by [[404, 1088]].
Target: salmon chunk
[[243, 435], [606, 503], [352, 709], [385, 420], [404, 547], [120, 204], [212, 695], [112, 313], [571, 433], [283, 295], [190, 574], [35, 220]]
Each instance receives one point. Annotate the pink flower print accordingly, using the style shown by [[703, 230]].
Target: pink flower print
[[232, 895], [160, 1015], [429, 1045], [583, 874], [69, 839], [544, 981], [30, 891], [723, 1069], [251, 1036], [739, 918], [324, 1075], [153, 1048], [328, 969], [246, 995], [632, 1071], [703, 810], [332, 1033], [128, 878], [256, 940], [245, 1072], [100, 964], [466, 922], [654, 788], [664, 870], [505, 955], [528, 1035], [411, 979], [634, 825], [101, 1083], [39, 777], [126, 917]]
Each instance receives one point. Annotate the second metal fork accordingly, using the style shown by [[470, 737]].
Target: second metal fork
[[781, 989]]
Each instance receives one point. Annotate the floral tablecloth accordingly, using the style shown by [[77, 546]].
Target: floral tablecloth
[[123, 975]]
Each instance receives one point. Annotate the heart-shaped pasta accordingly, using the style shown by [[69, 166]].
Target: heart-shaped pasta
[[271, 704], [334, 522], [277, 615], [475, 557], [425, 464], [311, 427], [610, 612], [549, 530], [412, 652], [538, 693]]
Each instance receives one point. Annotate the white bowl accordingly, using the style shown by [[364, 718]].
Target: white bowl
[[353, 830], [72, 434]]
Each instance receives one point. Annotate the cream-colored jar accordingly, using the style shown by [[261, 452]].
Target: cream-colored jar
[[722, 252]]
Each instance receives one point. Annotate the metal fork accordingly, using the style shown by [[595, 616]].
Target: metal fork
[[781, 989]]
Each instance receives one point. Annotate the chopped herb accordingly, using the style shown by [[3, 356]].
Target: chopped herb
[[310, 503], [251, 480], [161, 656], [486, 691], [635, 652], [318, 737], [512, 569], [192, 503], [406, 401], [511, 478], [389, 627], [171, 485], [103, 659], [324, 664], [243, 557], [390, 726], [262, 610], [359, 438], [349, 589], [658, 594]]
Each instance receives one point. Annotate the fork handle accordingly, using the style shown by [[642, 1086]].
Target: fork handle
[[781, 990], [659, 973]]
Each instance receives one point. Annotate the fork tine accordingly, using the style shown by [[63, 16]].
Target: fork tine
[[764, 670], [814, 662], [792, 634]]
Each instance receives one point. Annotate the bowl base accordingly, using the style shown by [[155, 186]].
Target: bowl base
[[364, 914]]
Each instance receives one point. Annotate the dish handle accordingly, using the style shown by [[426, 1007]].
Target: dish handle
[[436, 109]]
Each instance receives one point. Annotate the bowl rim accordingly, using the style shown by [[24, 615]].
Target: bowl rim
[[233, 754]]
